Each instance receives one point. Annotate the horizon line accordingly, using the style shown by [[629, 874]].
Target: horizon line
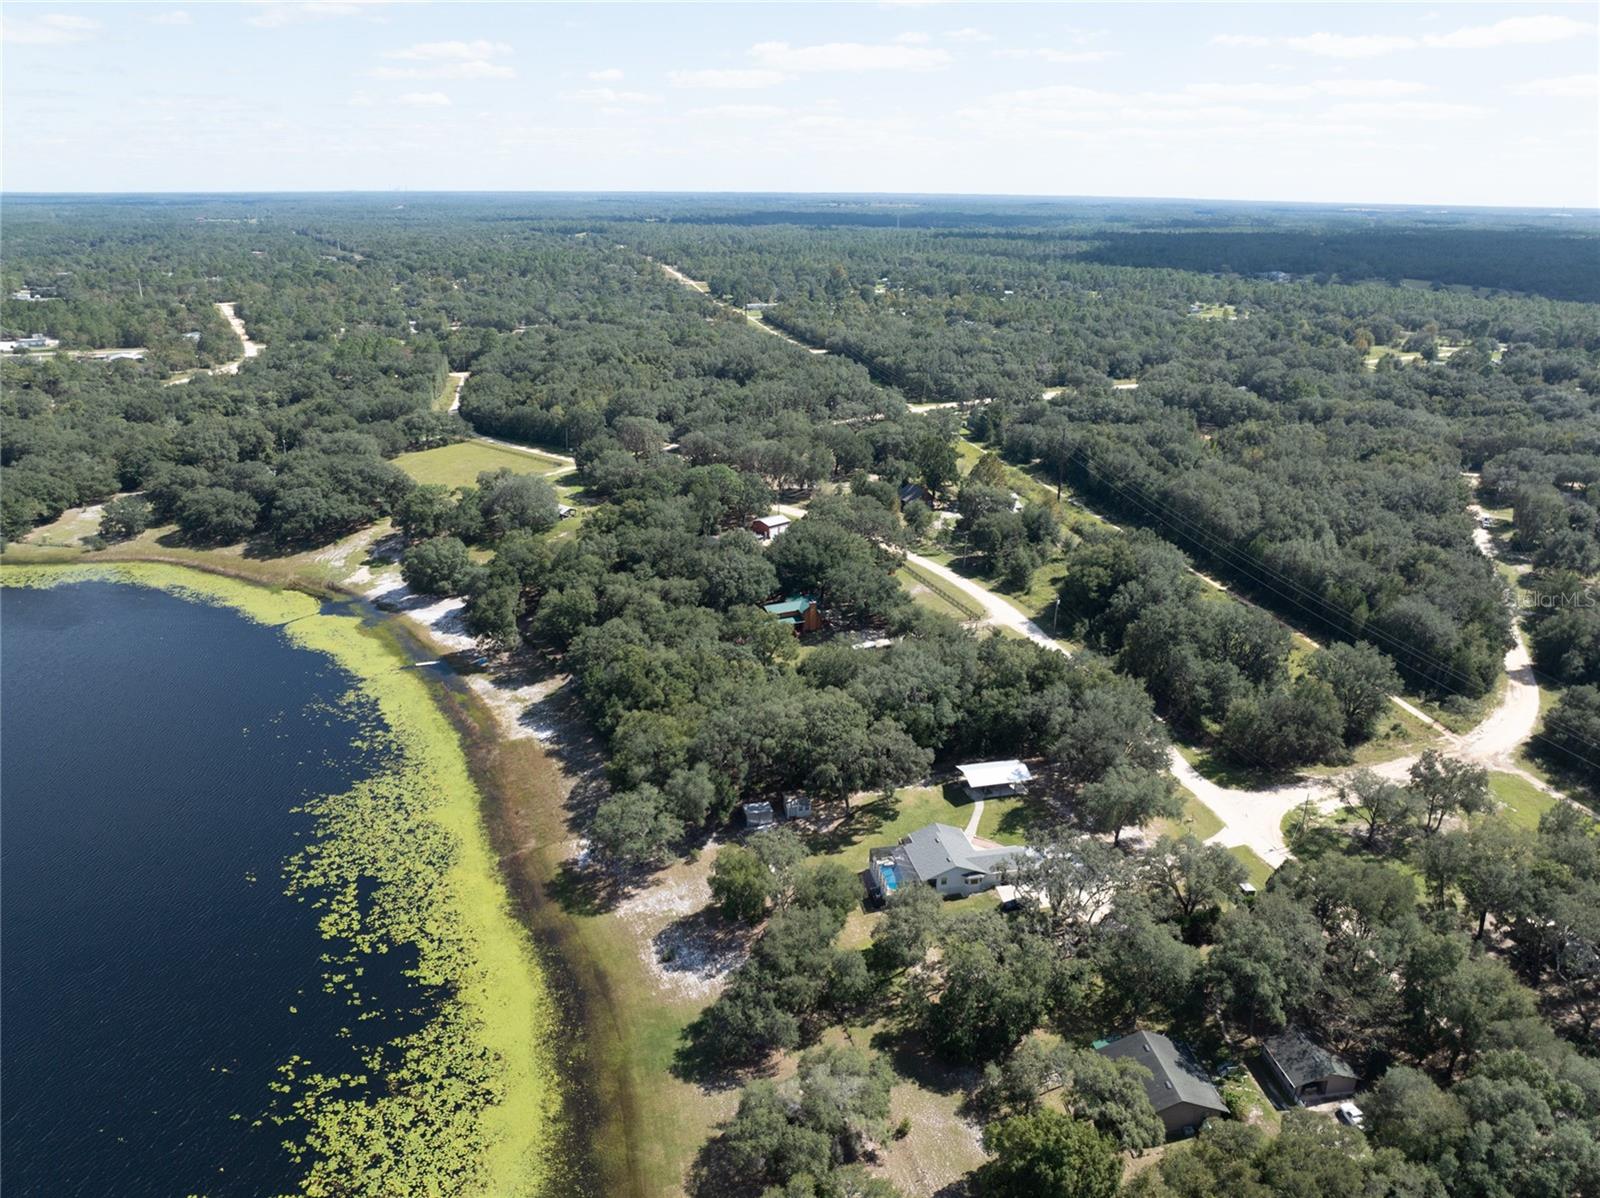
[[1035, 197]]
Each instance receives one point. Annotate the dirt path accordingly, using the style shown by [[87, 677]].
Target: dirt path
[[460, 377], [704, 289], [563, 462], [251, 348], [998, 611]]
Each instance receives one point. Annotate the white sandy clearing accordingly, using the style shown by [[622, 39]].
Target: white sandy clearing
[[518, 706], [687, 957]]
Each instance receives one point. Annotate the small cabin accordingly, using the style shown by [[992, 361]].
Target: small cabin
[[994, 779], [798, 611], [759, 815], [796, 807], [913, 493], [768, 527]]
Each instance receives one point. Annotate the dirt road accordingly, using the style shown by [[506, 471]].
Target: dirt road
[[1254, 818], [251, 348]]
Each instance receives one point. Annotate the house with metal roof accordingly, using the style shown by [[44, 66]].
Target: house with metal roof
[[1307, 1071], [1178, 1087], [768, 527], [796, 806], [994, 779], [800, 611], [759, 815], [943, 858]]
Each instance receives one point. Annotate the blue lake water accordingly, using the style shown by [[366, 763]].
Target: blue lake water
[[152, 750]]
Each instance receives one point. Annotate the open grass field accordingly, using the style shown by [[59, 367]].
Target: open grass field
[[1520, 801], [1197, 820], [330, 565], [460, 464], [69, 529], [1258, 869], [884, 821], [1378, 352]]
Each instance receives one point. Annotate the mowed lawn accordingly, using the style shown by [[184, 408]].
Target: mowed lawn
[[881, 821], [1522, 802], [460, 464]]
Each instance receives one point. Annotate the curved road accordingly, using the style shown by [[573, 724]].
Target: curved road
[[1254, 818]]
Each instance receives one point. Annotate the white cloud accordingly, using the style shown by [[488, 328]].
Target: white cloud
[[1046, 54], [275, 16], [1244, 40], [609, 75], [1369, 89], [1573, 87], [425, 100], [1514, 31], [736, 79], [913, 39], [848, 56], [1224, 109], [176, 17], [52, 29], [968, 34], [1344, 45], [1251, 92], [738, 112], [1405, 110], [473, 69], [611, 98], [434, 51], [448, 60]]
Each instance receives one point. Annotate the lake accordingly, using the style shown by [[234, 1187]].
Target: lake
[[156, 977]]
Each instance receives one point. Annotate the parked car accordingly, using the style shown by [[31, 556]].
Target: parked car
[[1349, 1112]]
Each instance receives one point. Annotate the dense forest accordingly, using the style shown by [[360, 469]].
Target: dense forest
[[1250, 393]]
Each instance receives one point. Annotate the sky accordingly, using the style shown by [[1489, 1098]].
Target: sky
[[1439, 104]]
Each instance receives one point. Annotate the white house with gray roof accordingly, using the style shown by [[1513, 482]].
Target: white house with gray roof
[[943, 858]]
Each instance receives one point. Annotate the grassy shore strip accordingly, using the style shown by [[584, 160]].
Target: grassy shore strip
[[469, 1103]]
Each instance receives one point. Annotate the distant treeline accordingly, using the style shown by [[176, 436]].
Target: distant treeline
[[1561, 267]]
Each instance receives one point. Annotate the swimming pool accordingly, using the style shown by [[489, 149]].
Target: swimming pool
[[890, 880]]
